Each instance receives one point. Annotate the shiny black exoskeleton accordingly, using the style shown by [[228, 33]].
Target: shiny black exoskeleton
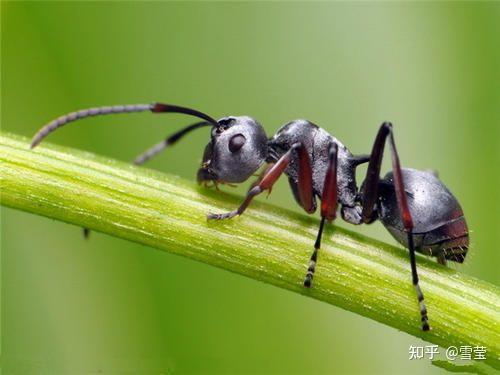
[[414, 206]]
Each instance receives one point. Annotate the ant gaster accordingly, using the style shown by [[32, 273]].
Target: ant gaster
[[414, 206]]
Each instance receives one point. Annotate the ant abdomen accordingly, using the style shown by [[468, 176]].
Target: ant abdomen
[[440, 229]]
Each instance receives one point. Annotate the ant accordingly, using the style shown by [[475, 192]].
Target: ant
[[414, 206]]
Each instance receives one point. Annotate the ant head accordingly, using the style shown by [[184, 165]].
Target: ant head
[[237, 148]]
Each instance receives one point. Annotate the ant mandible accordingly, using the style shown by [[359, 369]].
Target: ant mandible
[[414, 206]]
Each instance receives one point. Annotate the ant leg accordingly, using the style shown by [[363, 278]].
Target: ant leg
[[270, 176], [305, 183], [260, 176], [265, 182], [314, 257], [370, 195], [328, 209], [169, 141]]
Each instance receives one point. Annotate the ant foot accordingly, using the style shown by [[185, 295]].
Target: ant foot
[[227, 215]]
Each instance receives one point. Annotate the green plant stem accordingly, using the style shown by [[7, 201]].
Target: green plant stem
[[267, 243], [475, 368]]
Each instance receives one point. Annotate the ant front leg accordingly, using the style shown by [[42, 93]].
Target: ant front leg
[[267, 181], [328, 209], [370, 196]]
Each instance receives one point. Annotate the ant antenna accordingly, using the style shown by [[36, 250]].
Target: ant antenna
[[167, 142], [98, 111]]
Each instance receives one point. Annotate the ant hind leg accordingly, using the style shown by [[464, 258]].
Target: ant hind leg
[[370, 196]]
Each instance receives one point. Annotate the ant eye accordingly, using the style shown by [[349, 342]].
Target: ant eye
[[236, 142]]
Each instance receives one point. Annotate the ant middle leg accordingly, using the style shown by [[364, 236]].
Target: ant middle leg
[[328, 209]]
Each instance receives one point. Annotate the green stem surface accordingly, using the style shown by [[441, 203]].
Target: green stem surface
[[267, 243]]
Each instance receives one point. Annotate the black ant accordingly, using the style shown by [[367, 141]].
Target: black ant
[[414, 206]]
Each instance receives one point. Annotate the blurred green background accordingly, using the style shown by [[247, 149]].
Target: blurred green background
[[106, 305]]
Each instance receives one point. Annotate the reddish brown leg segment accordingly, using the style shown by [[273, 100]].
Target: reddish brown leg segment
[[370, 195], [329, 197], [328, 209], [269, 177]]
